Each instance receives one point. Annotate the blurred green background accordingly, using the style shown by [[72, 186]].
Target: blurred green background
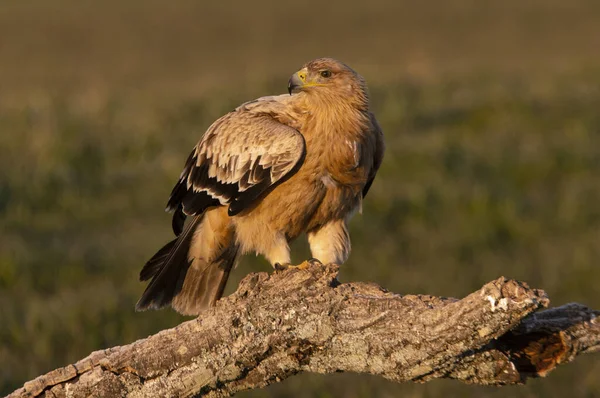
[[491, 112]]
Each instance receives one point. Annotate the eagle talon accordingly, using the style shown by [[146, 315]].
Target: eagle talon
[[281, 267], [314, 261]]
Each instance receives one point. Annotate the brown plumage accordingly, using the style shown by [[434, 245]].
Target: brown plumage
[[263, 174]]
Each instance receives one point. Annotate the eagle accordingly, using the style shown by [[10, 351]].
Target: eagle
[[262, 175]]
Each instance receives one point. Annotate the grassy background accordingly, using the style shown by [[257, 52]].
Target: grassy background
[[492, 121]]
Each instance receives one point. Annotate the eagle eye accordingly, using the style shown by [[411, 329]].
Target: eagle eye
[[325, 73]]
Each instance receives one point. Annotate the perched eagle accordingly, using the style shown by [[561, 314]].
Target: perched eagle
[[263, 174]]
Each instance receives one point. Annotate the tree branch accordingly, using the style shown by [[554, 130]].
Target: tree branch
[[275, 326]]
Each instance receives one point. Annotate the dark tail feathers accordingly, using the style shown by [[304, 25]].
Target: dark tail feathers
[[188, 286]]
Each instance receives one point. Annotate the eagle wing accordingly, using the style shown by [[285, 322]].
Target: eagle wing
[[377, 155], [242, 156]]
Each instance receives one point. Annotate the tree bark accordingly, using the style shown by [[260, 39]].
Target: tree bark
[[277, 325]]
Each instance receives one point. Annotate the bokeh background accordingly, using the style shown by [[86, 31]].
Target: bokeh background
[[491, 112]]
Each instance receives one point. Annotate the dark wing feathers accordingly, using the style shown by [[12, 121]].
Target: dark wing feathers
[[240, 157], [377, 156], [178, 220]]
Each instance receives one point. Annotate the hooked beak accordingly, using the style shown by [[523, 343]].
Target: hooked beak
[[297, 81]]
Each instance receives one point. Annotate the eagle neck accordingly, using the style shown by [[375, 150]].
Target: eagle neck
[[333, 119]]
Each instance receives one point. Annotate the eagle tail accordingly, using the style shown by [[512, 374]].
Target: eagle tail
[[181, 275]]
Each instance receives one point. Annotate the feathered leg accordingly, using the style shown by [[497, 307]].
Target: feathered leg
[[330, 243]]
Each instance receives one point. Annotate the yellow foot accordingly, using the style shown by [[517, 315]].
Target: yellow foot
[[304, 265]]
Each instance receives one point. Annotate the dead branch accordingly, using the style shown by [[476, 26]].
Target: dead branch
[[275, 326]]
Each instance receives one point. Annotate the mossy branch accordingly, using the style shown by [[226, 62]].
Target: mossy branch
[[277, 325]]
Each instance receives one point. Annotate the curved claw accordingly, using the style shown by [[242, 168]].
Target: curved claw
[[314, 261], [281, 267]]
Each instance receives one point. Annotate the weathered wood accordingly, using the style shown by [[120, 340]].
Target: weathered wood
[[275, 326]]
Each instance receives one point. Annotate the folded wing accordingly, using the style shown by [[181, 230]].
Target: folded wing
[[377, 155], [240, 158]]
